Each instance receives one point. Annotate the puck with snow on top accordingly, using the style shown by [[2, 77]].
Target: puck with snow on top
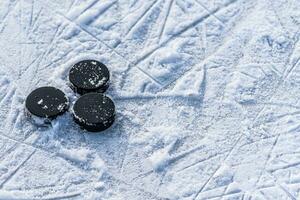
[[47, 102], [89, 76], [94, 112]]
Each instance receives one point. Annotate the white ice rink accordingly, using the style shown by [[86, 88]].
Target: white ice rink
[[207, 96]]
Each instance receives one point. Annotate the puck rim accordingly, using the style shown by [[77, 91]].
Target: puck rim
[[94, 126], [82, 89], [61, 111]]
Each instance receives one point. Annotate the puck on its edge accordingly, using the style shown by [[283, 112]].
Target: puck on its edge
[[89, 76], [94, 112], [47, 102]]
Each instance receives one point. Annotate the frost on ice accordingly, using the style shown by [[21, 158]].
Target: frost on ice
[[207, 95]]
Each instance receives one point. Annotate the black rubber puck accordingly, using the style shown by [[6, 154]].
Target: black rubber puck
[[94, 112], [47, 102], [89, 76]]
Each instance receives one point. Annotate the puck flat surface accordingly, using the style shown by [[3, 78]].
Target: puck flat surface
[[94, 112], [89, 76], [47, 102]]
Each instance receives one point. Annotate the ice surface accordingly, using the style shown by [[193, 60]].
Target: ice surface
[[206, 93]]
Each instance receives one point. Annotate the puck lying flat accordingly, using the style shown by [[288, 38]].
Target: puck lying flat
[[94, 112], [47, 102], [89, 76]]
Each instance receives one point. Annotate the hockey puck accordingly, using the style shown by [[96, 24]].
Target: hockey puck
[[47, 102], [89, 76], [94, 112]]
